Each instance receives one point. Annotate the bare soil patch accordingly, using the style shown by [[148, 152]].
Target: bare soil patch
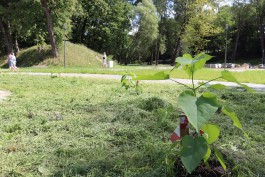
[[4, 94]]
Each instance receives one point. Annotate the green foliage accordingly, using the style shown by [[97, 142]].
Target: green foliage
[[129, 84], [220, 157], [148, 29], [229, 77], [200, 26], [191, 65], [192, 151], [200, 108], [103, 25], [211, 133]]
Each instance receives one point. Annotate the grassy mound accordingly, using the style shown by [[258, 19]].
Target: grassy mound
[[75, 55]]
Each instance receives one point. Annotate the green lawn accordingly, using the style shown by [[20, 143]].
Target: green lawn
[[248, 76], [89, 127]]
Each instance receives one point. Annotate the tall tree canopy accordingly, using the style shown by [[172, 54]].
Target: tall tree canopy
[[137, 30]]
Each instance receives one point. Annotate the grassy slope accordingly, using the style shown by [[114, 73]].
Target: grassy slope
[[87, 127], [80, 59], [76, 55]]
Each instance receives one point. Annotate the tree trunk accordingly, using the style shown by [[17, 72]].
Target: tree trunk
[[262, 42], [44, 4], [178, 42], [16, 44], [5, 28], [83, 31], [177, 46], [157, 50], [152, 56], [233, 57]]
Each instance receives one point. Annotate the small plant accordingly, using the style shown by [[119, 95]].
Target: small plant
[[199, 107], [129, 83]]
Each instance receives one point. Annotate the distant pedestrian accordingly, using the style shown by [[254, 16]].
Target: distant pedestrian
[[9, 60], [13, 61], [104, 60]]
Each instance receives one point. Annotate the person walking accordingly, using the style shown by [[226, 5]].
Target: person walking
[[9, 60], [13, 61], [104, 60]]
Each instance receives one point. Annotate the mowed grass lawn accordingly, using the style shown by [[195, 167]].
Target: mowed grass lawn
[[88, 127], [247, 76]]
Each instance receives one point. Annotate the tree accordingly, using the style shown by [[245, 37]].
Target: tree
[[103, 25], [223, 17], [62, 11], [239, 10], [182, 16], [260, 16], [148, 29], [163, 9], [200, 28], [195, 19], [5, 25], [47, 11]]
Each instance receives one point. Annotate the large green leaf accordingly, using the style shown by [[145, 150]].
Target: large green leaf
[[191, 65], [187, 63], [188, 69], [202, 56], [200, 60], [227, 111], [229, 77], [184, 61], [175, 67], [192, 152], [188, 56], [198, 110], [158, 76], [220, 158], [211, 133]]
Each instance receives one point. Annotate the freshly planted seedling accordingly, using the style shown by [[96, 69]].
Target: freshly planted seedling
[[200, 107]]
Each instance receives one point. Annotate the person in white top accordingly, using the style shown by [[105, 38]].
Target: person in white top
[[13, 61], [9, 60], [104, 61]]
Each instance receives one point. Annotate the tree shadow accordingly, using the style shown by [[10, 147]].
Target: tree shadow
[[33, 56]]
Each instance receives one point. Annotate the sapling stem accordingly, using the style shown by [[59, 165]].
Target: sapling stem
[[180, 83], [192, 78], [207, 82]]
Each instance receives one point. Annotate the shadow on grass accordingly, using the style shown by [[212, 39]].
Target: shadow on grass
[[33, 57], [128, 146], [144, 164]]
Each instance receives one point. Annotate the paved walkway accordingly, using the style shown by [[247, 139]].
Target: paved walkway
[[258, 87]]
